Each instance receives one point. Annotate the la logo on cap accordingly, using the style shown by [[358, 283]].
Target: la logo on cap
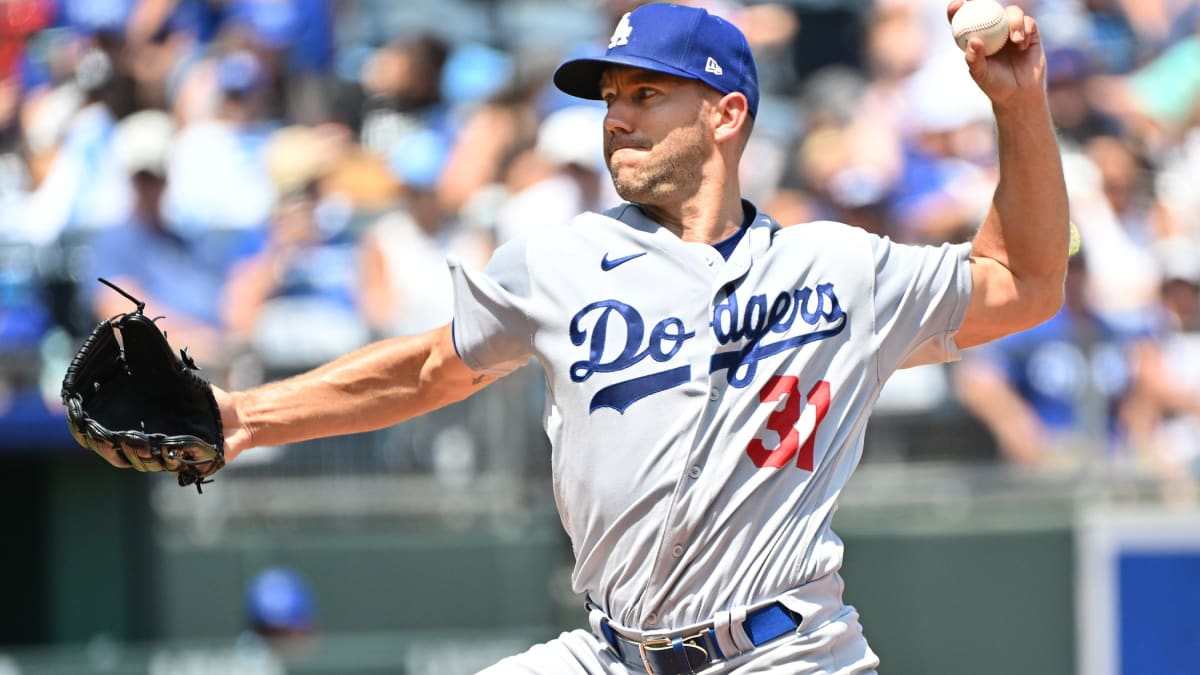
[[620, 36]]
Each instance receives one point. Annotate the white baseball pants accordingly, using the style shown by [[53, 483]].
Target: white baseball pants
[[836, 647]]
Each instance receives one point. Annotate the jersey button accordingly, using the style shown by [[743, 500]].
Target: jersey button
[[713, 394], [677, 550], [694, 472], [652, 618]]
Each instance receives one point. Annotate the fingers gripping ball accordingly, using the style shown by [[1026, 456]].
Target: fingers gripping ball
[[983, 18], [134, 402]]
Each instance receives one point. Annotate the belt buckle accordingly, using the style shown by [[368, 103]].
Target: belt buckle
[[664, 643], [652, 643]]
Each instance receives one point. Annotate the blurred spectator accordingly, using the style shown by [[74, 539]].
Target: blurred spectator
[[1124, 33], [401, 90], [474, 73], [841, 185], [99, 25], [1067, 82], [294, 298], [84, 188], [293, 38], [218, 179], [894, 48], [15, 178], [1113, 204], [1160, 98], [1176, 185], [562, 175], [165, 39], [192, 20], [406, 286], [1156, 24], [179, 277], [155, 56], [363, 180], [1164, 410], [488, 134], [853, 152], [487, 119], [281, 611], [948, 174], [1111, 34], [1034, 390], [771, 29]]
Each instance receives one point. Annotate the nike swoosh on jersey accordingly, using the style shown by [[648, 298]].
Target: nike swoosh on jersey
[[606, 264]]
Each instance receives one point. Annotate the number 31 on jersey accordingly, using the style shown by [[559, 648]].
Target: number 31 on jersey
[[792, 422]]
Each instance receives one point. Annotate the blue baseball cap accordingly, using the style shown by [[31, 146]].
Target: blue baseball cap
[[239, 72], [279, 598], [674, 39]]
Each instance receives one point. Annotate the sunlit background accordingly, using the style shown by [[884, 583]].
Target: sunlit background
[[282, 179]]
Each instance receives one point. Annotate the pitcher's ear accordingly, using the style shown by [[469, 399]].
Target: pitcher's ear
[[733, 112]]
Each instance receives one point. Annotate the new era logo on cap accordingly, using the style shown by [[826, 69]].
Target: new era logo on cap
[[674, 39]]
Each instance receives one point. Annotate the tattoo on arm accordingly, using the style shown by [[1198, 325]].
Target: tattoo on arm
[[477, 380]]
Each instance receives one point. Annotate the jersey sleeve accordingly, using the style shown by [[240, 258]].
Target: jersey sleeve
[[492, 327], [920, 297]]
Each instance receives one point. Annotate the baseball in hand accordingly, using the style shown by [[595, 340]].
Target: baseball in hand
[[985, 18]]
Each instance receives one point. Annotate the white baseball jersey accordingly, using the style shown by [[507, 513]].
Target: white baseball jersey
[[705, 413]]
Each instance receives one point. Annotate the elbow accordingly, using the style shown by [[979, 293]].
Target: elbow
[[1044, 302], [1042, 292]]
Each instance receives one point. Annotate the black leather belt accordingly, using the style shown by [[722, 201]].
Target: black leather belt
[[680, 655]]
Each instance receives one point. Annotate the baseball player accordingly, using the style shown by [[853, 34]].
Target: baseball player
[[709, 373]]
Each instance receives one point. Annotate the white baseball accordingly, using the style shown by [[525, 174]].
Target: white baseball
[[985, 18]]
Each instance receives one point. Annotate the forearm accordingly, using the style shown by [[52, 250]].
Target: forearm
[[1027, 228], [373, 387]]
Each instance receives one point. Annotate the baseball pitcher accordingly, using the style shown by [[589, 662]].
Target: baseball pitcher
[[709, 372]]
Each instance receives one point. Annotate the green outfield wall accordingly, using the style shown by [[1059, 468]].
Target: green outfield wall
[[960, 587]]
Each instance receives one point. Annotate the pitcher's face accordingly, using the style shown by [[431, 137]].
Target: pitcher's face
[[656, 139]]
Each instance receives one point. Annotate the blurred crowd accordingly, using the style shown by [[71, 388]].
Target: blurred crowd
[[283, 180]]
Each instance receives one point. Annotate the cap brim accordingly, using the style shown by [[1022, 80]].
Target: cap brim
[[581, 77]]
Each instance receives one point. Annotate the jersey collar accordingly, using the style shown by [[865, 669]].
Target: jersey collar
[[754, 243]]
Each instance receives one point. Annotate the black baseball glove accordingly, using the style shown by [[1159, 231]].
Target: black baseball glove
[[137, 404]]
